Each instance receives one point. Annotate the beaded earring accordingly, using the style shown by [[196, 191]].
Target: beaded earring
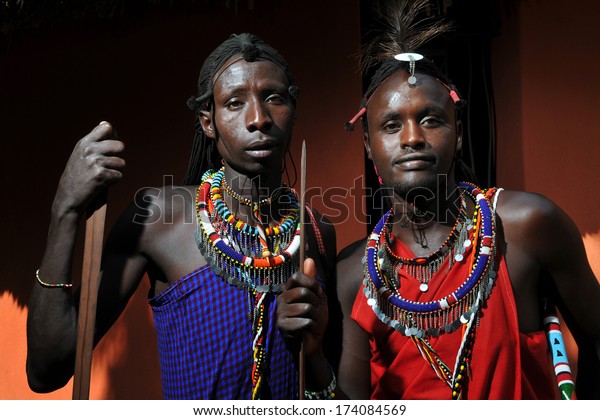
[[378, 176]]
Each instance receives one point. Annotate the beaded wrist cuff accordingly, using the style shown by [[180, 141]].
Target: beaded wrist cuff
[[51, 285], [325, 394]]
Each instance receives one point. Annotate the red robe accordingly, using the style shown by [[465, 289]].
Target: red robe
[[505, 364]]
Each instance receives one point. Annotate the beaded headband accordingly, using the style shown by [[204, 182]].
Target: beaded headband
[[412, 80], [401, 31]]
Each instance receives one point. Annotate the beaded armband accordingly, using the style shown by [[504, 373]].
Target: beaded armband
[[51, 285], [325, 394]]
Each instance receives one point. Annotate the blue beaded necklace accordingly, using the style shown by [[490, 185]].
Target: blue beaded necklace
[[216, 239], [420, 320], [405, 315], [217, 236]]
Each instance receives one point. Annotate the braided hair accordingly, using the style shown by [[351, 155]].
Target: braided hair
[[251, 48]]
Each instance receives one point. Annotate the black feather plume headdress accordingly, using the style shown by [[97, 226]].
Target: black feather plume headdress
[[402, 28]]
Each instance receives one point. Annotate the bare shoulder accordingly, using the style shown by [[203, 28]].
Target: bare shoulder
[[168, 209], [350, 253], [152, 213], [520, 207], [321, 233], [167, 204], [539, 226], [530, 211], [327, 232], [163, 221], [350, 272]]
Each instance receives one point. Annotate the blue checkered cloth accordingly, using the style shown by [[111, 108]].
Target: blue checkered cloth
[[205, 342]]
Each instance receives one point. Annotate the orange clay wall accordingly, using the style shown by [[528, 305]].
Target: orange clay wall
[[56, 83], [546, 65]]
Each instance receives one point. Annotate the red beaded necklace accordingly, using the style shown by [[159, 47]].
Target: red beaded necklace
[[423, 268]]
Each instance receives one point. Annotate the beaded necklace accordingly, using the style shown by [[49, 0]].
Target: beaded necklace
[[231, 246], [250, 203], [460, 309], [233, 249], [243, 236], [423, 268], [262, 237]]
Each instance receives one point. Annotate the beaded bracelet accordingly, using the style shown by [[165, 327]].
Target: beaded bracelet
[[63, 285], [325, 394]]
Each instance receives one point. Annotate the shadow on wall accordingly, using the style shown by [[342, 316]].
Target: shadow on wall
[[59, 79], [57, 83]]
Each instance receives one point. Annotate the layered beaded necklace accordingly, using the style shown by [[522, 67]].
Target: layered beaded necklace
[[252, 258], [423, 268], [460, 309]]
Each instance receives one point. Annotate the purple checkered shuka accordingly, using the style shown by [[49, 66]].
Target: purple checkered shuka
[[205, 342]]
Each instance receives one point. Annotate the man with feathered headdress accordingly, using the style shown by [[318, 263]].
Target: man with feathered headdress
[[444, 298]]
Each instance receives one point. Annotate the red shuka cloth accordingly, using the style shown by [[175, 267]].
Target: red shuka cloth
[[505, 364]]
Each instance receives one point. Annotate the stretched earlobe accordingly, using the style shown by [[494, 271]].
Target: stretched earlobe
[[459, 136], [205, 118], [367, 145]]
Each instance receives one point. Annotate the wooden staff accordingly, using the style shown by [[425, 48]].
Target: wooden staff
[[92, 254], [301, 375]]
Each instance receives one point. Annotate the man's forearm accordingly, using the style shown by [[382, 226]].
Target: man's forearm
[[52, 316]]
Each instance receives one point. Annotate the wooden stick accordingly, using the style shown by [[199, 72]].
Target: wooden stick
[[301, 374], [92, 254]]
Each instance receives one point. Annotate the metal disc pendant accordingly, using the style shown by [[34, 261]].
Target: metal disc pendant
[[424, 287], [412, 80]]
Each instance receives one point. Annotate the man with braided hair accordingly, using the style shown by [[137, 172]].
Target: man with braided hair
[[213, 278], [444, 298]]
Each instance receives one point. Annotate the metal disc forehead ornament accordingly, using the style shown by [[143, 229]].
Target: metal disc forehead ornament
[[410, 58]]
